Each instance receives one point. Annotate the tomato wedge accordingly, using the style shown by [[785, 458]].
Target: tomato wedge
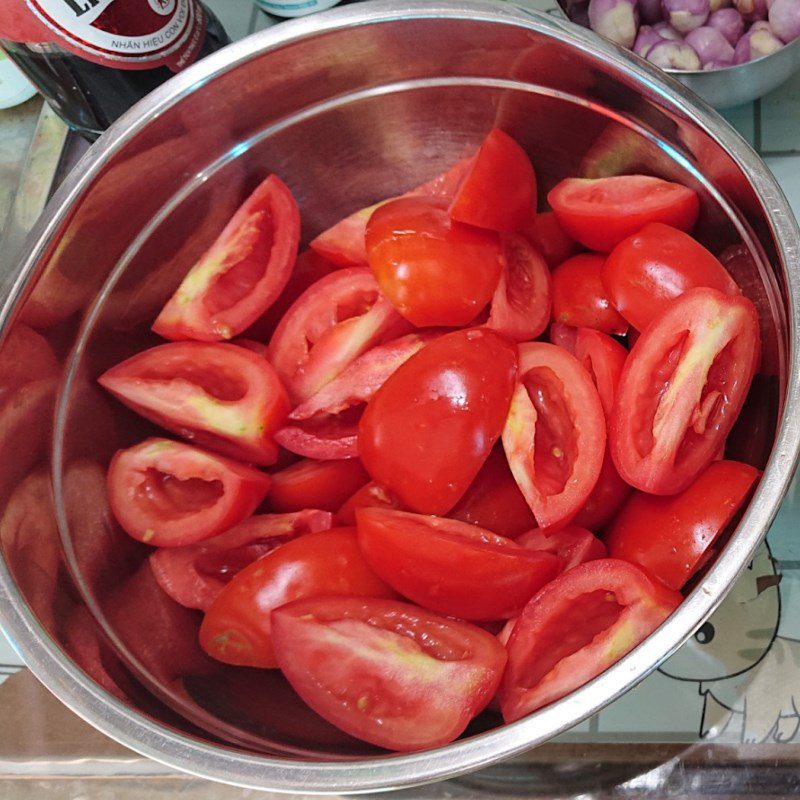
[[671, 537], [682, 388], [548, 237], [194, 575], [601, 212], [577, 627], [521, 302], [387, 672], [333, 322], [316, 484], [170, 494], [648, 270], [499, 190], [434, 270], [220, 396], [326, 425], [573, 545], [241, 274], [369, 496], [494, 501], [579, 298], [416, 555], [344, 244], [608, 495], [555, 433], [237, 626], [427, 431]]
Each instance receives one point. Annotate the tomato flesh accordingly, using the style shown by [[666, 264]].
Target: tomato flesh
[[574, 545], [387, 672]]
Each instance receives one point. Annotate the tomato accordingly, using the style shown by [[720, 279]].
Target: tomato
[[427, 431], [682, 388], [548, 237], [332, 323], [387, 672], [579, 298], [555, 433], [220, 396], [237, 626], [194, 575], [609, 493], [499, 190], [369, 496], [243, 272], [452, 567], [575, 628], [521, 302], [316, 484], [494, 501], [646, 271], [573, 545], [344, 243], [326, 425], [170, 494], [671, 537], [434, 270], [601, 212]]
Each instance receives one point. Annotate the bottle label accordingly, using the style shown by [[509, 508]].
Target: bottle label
[[126, 34]]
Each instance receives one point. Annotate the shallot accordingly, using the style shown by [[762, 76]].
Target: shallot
[[666, 31], [646, 38], [756, 44], [729, 22], [674, 55], [710, 46], [784, 17], [751, 10], [615, 19], [686, 15]]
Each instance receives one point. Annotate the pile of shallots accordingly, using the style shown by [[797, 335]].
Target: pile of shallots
[[697, 34]]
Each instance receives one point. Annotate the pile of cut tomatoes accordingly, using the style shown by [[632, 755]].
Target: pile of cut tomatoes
[[457, 453]]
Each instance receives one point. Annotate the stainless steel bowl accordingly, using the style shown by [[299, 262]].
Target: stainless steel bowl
[[721, 88], [348, 106]]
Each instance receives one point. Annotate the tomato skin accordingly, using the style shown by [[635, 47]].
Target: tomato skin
[[494, 501], [194, 575], [151, 498], [434, 270], [333, 322], [521, 302], [316, 484], [555, 433], [601, 212], [573, 544], [549, 239], [344, 243], [241, 274], [387, 672], [220, 396], [427, 431], [237, 626], [669, 537], [608, 495], [579, 298], [369, 496], [499, 190], [682, 388], [648, 270], [575, 628], [415, 554], [326, 425]]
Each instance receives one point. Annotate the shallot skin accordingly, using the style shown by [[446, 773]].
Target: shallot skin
[[710, 45], [674, 55], [784, 17], [686, 15], [729, 22], [617, 20], [756, 44]]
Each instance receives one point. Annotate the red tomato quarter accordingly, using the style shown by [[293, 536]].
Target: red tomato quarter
[[499, 189], [330, 325], [369, 496], [648, 270], [434, 270], [427, 431], [452, 567], [601, 212], [572, 544], [170, 494], [577, 627], [579, 298], [555, 433], [242, 274], [237, 626], [220, 396], [194, 575], [548, 237], [387, 672], [670, 537], [682, 388], [316, 484]]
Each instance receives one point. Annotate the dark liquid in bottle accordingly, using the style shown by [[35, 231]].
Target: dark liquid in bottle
[[89, 96]]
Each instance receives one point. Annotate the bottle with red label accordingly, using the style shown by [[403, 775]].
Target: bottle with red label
[[93, 59]]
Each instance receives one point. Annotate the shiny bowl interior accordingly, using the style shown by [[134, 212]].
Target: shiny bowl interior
[[348, 107]]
